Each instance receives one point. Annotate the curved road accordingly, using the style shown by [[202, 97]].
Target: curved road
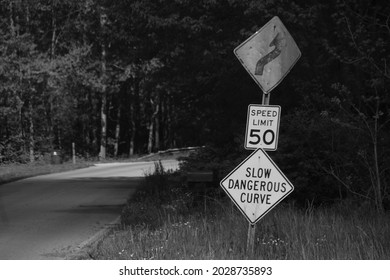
[[52, 216]]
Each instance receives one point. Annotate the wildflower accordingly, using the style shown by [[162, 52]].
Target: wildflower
[[321, 240]]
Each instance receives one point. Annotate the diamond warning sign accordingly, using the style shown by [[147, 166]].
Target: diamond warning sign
[[269, 54], [256, 185]]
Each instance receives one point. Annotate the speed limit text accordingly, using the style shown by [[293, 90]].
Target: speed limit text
[[262, 127]]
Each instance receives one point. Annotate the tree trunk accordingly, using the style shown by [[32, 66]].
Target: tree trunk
[[150, 139], [103, 122], [157, 134], [59, 137], [92, 125], [47, 99], [157, 143], [49, 124], [132, 129], [134, 116], [103, 111], [151, 125], [117, 132], [169, 132], [167, 126], [377, 176], [31, 131], [53, 35], [22, 126]]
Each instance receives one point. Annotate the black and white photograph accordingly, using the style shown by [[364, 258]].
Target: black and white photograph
[[229, 132]]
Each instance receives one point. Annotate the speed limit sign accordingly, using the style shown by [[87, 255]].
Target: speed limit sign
[[262, 127]]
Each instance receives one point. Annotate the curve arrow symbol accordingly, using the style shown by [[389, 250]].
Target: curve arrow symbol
[[279, 43]]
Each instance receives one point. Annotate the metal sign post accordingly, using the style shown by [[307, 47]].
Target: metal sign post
[[266, 98], [250, 244], [257, 184]]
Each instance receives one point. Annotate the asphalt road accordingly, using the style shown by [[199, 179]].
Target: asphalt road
[[52, 216]]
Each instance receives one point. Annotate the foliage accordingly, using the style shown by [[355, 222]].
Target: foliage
[[141, 76], [157, 189], [205, 232]]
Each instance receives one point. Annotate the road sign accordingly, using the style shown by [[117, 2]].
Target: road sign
[[269, 54], [256, 185], [262, 127]]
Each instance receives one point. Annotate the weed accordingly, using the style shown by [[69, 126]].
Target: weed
[[163, 222]]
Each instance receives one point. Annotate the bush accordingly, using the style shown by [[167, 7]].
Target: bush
[[160, 194]]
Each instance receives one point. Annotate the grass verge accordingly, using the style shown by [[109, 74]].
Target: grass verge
[[14, 172], [166, 220]]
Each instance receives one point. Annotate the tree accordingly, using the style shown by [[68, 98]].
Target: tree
[[363, 96]]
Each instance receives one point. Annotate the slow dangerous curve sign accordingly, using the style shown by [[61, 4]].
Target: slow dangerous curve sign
[[262, 127], [256, 185], [269, 54]]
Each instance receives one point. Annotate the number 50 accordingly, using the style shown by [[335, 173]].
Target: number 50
[[256, 136]]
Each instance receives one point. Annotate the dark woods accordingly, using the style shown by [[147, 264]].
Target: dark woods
[[125, 77]]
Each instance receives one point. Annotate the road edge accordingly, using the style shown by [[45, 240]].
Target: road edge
[[83, 249]]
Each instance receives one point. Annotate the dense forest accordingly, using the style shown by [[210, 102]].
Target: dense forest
[[126, 77]]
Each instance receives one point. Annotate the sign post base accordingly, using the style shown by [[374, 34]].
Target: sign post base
[[250, 243]]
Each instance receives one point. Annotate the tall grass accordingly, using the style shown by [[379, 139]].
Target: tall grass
[[212, 228], [14, 171]]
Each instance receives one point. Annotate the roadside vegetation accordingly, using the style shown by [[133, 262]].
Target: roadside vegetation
[[168, 220], [15, 171], [116, 79]]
